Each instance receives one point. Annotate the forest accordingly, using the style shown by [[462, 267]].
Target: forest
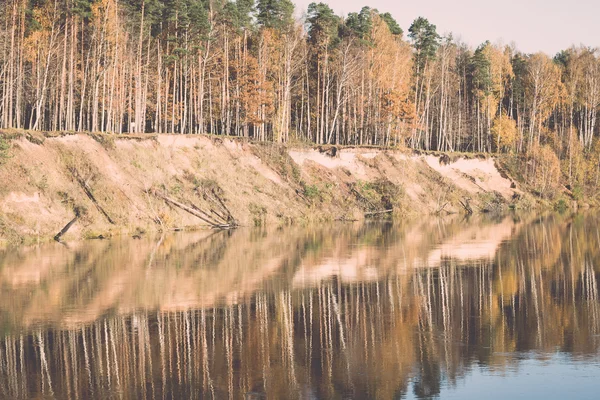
[[253, 69]]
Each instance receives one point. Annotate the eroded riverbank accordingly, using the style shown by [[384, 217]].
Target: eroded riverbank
[[111, 184]]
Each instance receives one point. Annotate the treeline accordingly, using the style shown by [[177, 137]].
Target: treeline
[[248, 68]]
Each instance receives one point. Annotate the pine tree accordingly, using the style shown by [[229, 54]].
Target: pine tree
[[276, 14]]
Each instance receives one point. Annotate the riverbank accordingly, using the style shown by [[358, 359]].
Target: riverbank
[[132, 184]]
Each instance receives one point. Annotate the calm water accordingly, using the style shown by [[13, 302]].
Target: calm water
[[454, 308]]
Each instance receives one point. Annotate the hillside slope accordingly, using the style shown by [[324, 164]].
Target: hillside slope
[[118, 184]]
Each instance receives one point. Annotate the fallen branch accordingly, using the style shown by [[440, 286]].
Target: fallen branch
[[88, 191], [181, 206], [156, 217], [195, 211], [223, 214], [206, 215], [361, 198], [439, 211], [378, 212], [466, 206], [344, 219], [67, 227]]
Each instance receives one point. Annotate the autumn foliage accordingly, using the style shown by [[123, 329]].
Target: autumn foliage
[[248, 68]]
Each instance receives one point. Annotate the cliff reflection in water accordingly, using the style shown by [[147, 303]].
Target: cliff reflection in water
[[360, 311]]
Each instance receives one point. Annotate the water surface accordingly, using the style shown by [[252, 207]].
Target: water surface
[[453, 308]]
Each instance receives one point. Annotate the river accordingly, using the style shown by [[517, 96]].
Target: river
[[455, 308]]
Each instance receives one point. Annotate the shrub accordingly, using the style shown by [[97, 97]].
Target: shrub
[[312, 192], [4, 149], [259, 214], [561, 206]]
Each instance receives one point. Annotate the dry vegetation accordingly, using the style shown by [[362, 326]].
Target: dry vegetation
[[128, 184]]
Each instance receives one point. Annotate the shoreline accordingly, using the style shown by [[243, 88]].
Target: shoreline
[[112, 184]]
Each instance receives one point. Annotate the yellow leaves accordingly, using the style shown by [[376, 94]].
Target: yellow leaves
[[390, 59], [592, 167], [501, 71], [390, 64], [589, 84], [100, 8], [544, 169], [544, 85], [504, 133], [500, 74], [34, 43], [574, 161]]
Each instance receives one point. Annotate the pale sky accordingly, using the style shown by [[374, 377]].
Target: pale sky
[[533, 25]]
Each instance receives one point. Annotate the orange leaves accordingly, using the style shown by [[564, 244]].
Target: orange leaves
[[391, 58], [389, 64], [36, 44], [106, 19], [255, 97]]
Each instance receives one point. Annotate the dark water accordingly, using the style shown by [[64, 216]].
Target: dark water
[[466, 309]]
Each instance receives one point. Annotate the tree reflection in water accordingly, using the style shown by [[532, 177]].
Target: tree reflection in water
[[349, 311]]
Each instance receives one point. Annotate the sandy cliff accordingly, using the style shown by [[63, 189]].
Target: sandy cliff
[[111, 182]]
